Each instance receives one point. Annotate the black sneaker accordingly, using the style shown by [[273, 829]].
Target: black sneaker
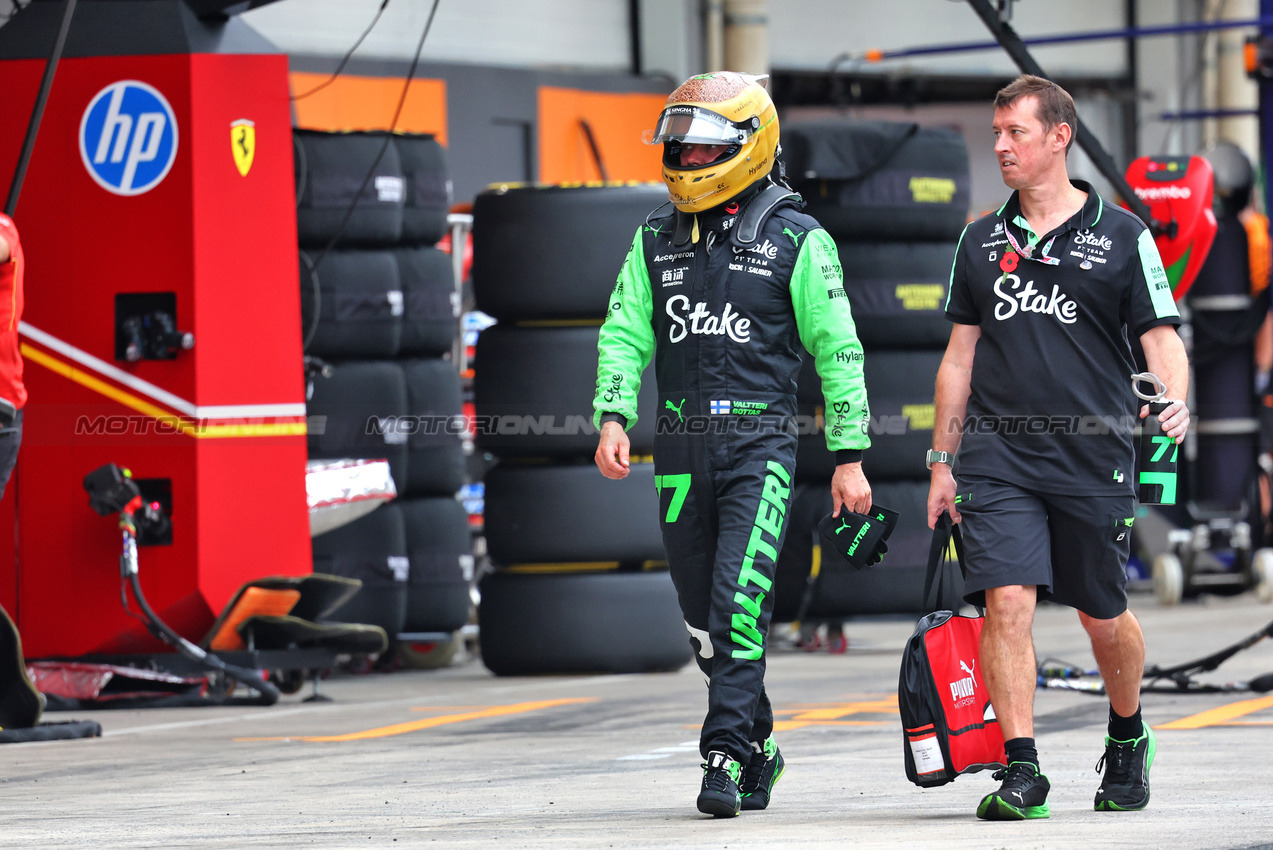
[[1022, 796], [719, 796], [763, 770], [1125, 785]]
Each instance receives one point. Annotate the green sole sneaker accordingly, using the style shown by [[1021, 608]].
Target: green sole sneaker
[[993, 808], [1125, 785], [1022, 796]]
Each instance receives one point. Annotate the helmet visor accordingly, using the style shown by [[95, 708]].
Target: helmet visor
[[696, 126]]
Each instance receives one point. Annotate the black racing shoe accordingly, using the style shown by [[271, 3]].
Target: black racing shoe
[[763, 770], [1022, 796], [1125, 785], [719, 797]]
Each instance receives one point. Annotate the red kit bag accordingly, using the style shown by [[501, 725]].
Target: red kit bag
[[947, 721]]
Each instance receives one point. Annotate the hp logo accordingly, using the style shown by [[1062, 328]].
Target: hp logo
[[128, 138]]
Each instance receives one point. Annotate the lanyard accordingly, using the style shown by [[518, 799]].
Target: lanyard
[[1029, 248]]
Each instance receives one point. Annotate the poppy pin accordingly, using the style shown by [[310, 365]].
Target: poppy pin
[[1009, 262]]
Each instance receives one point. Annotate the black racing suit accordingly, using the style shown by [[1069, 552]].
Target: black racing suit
[[725, 321]]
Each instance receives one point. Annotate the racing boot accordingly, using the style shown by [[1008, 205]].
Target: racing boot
[[763, 770], [719, 796]]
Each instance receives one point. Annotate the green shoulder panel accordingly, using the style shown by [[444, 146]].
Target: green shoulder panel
[[1155, 276], [825, 321], [627, 339]]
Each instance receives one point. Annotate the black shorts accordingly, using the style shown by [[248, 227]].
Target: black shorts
[[1074, 548]]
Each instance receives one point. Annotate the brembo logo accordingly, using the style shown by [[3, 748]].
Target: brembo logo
[[1170, 192], [702, 322], [128, 137]]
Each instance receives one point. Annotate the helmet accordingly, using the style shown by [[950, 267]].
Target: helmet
[[1234, 175], [722, 108]]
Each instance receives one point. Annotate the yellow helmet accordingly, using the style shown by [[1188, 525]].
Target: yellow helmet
[[722, 108]]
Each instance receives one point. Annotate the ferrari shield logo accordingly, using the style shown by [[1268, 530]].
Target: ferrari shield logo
[[243, 144]]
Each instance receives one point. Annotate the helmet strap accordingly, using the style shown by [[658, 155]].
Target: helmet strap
[[682, 233]]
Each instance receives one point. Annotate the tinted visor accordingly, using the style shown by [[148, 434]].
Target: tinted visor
[[694, 125]]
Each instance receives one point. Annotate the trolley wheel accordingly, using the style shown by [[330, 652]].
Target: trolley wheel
[[288, 681], [1262, 574], [1169, 579]]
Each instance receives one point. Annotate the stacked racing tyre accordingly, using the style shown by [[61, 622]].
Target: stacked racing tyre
[[895, 198], [380, 318], [577, 580]]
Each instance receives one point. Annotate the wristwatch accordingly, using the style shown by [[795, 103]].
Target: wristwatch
[[937, 457]]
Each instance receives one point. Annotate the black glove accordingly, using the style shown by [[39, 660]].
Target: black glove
[[859, 538]]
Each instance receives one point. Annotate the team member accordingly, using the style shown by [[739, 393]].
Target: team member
[[13, 395], [20, 703], [721, 291], [1036, 379]]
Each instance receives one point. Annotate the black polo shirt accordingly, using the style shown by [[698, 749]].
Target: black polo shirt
[[1051, 407]]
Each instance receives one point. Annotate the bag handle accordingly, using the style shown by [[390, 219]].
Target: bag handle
[[943, 533]]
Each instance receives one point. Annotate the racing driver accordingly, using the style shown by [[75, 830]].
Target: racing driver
[[722, 290]]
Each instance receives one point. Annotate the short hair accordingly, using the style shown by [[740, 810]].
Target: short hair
[[1054, 104]]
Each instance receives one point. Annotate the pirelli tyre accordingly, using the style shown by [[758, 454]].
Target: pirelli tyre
[[358, 298], [554, 252], [440, 551], [571, 513], [357, 413], [430, 304], [330, 169], [555, 623], [900, 387], [533, 392], [893, 586], [433, 428], [898, 292], [880, 180], [428, 188], [372, 549]]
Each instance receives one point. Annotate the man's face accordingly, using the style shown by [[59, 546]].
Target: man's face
[[700, 154], [1024, 149]]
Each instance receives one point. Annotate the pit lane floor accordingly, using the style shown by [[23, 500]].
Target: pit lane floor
[[459, 758]]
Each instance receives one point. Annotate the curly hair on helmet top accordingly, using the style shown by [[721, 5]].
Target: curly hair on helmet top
[[1054, 104]]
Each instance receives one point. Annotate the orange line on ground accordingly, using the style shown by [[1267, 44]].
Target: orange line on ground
[[430, 722], [1221, 715]]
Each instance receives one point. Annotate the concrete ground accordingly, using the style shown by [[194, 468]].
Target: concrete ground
[[459, 758]]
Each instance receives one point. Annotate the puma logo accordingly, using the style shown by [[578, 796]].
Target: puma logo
[[676, 408], [795, 237], [963, 665], [844, 523]]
